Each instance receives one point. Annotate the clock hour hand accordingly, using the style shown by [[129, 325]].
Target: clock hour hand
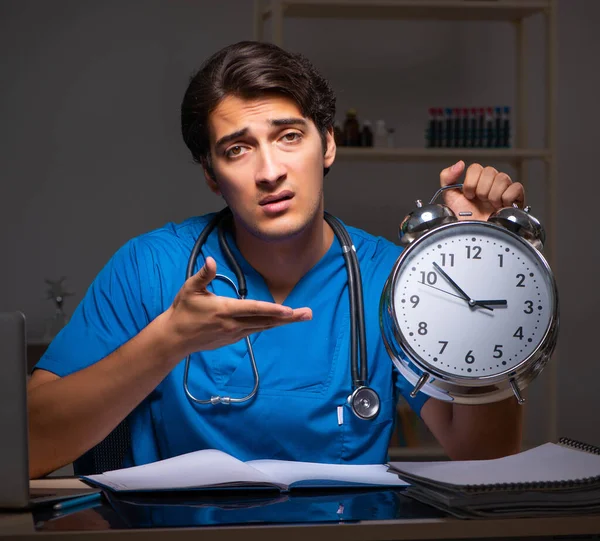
[[495, 302], [466, 297]]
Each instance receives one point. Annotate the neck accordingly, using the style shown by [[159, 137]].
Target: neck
[[283, 263]]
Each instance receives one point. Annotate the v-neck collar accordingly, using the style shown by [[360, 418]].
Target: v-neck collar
[[256, 285]]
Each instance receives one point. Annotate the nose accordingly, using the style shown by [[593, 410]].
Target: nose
[[270, 168]]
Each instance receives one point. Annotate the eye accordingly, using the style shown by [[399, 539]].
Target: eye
[[235, 151], [292, 137]]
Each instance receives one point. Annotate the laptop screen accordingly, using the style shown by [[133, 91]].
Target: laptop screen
[[14, 461]]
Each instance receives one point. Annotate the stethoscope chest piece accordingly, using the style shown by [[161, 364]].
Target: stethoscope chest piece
[[365, 402]]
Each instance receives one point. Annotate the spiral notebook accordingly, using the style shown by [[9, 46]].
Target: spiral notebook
[[551, 479]]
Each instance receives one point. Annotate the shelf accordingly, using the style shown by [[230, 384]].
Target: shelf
[[509, 155], [465, 10]]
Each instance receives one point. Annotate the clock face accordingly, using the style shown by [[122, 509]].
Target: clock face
[[472, 300]]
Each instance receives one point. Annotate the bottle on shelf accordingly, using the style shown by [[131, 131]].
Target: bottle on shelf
[[440, 127], [449, 132], [506, 127], [431, 135], [480, 127], [489, 127], [351, 129], [366, 134], [457, 139], [472, 128], [338, 134], [465, 136], [380, 136], [391, 138], [498, 127]]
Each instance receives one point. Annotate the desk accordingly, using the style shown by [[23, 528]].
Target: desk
[[105, 523]]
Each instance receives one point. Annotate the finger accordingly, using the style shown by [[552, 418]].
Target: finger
[[471, 180], [501, 183], [249, 308], [205, 275], [299, 314], [258, 323], [515, 193], [450, 175], [484, 185]]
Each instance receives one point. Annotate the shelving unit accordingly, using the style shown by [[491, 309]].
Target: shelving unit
[[441, 154], [514, 11]]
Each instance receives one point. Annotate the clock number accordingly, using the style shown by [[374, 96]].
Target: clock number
[[501, 257], [415, 300], [450, 259], [476, 252], [469, 359], [422, 328], [521, 282], [444, 344], [498, 351], [429, 278], [529, 309], [519, 333]]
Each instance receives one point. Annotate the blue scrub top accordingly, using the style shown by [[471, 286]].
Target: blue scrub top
[[300, 411]]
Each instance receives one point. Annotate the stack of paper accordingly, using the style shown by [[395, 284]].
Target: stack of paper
[[551, 479]]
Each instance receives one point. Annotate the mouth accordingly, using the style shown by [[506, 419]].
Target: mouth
[[276, 198]]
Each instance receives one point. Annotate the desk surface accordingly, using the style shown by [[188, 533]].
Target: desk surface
[[380, 515]]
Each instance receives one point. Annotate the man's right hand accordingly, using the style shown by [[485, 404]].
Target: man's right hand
[[200, 320]]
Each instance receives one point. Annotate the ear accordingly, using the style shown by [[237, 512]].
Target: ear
[[210, 179], [330, 151]]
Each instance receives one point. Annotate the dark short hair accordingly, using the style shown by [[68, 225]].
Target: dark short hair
[[249, 70]]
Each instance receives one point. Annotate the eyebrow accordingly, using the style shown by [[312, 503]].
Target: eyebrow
[[292, 121], [230, 137], [288, 122]]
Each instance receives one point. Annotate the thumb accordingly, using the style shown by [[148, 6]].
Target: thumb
[[451, 174], [205, 275]]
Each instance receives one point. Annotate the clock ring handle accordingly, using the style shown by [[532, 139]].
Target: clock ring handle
[[460, 185], [443, 189], [513, 218]]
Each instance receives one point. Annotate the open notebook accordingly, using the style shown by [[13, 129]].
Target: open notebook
[[213, 469], [551, 479]]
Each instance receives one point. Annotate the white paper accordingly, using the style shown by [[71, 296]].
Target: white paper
[[288, 472], [212, 468], [545, 463], [208, 467]]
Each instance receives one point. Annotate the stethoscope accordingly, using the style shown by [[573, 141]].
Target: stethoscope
[[364, 400]]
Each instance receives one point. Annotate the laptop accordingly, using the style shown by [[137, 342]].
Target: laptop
[[14, 450]]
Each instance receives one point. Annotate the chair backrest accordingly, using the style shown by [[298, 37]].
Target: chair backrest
[[109, 454]]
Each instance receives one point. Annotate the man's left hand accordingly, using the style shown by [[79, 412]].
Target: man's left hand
[[484, 191]]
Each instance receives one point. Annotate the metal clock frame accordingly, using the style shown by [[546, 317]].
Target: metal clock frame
[[452, 387]]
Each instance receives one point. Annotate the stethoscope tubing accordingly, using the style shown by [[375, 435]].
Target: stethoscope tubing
[[355, 294]]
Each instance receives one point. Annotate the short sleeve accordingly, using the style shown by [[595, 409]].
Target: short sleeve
[[116, 307]]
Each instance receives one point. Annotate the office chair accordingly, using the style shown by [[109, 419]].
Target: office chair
[[109, 454]]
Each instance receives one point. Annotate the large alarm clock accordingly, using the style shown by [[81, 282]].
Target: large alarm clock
[[469, 312]]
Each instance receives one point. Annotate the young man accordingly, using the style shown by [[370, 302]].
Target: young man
[[259, 120]]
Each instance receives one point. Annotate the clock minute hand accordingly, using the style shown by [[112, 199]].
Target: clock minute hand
[[452, 282], [466, 297], [444, 291]]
